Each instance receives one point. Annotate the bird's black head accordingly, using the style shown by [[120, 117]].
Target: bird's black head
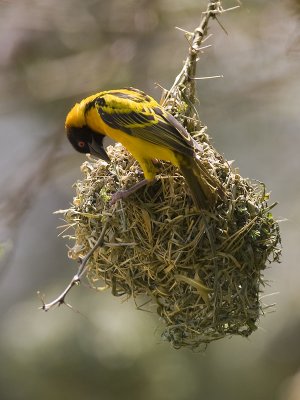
[[85, 140]]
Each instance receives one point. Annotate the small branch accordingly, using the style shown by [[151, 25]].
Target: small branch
[[184, 79], [184, 84], [61, 299]]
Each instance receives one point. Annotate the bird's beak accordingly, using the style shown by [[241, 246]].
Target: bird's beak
[[98, 151]]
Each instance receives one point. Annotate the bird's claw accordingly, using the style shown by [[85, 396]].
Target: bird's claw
[[123, 194], [120, 195]]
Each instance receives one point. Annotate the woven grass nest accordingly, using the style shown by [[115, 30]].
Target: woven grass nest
[[202, 272]]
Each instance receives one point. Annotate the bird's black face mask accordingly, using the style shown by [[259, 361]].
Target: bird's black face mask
[[85, 140]]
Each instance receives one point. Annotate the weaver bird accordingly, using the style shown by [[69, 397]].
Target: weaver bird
[[147, 131]]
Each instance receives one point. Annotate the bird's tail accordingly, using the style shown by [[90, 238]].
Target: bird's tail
[[205, 187]]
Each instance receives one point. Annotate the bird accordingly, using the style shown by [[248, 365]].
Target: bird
[[148, 132]]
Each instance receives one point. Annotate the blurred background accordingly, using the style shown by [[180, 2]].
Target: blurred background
[[53, 53]]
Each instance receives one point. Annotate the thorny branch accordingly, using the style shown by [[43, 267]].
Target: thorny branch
[[184, 84], [78, 276]]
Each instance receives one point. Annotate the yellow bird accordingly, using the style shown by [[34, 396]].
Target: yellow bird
[[147, 131]]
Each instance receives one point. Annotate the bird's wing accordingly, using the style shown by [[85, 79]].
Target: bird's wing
[[135, 113]]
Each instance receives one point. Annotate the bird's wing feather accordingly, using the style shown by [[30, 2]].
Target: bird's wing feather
[[141, 116]]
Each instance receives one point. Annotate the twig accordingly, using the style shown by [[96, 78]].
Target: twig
[[77, 277], [184, 84]]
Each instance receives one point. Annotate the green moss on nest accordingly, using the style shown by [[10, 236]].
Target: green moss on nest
[[201, 271]]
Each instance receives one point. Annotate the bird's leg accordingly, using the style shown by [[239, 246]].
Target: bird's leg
[[123, 194], [148, 167]]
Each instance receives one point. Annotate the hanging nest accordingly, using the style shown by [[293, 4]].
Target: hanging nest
[[202, 272]]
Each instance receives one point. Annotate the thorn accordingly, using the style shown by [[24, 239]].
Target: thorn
[[204, 47], [221, 25], [207, 37], [208, 77], [185, 31], [231, 8]]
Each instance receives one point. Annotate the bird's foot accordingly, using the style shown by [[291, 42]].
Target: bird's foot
[[123, 194]]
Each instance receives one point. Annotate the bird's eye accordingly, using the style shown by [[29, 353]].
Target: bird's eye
[[81, 144]]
